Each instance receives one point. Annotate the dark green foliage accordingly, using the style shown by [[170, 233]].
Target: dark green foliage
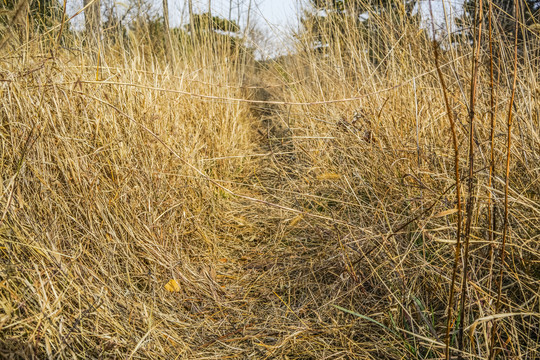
[[503, 15], [114, 29], [342, 22], [220, 33], [503, 23], [362, 6], [43, 13], [224, 35], [200, 23]]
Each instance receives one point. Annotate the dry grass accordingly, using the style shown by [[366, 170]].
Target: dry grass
[[323, 230]]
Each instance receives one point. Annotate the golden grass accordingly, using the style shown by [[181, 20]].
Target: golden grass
[[298, 228]]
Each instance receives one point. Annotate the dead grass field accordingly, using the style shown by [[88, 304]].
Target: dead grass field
[[303, 208]]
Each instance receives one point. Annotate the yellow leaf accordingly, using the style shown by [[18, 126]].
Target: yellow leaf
[[328, 176], [240, 220], [472, 330], [172, 286], [445, 213], [296, 220]]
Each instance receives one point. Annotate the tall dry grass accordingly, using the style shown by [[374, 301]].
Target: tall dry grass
[[303, 207], [97, 213], [382, 164]]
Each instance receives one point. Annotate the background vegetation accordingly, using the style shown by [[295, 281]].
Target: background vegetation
[[374, 194]]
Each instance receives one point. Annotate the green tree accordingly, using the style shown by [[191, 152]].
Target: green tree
[[43, 13], [503, 16], [92, 20], [503, 21], [338, 22], [219, 33], [206, 22]]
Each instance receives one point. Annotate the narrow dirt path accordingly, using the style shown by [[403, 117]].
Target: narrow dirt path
[[280, 272]]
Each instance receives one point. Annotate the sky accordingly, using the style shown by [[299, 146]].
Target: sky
[[275, 12], [276, 18], [279, 16]]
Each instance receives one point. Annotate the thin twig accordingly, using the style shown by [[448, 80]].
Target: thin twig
[[470, 183], [458, 185], [506, 184], [492, 117]]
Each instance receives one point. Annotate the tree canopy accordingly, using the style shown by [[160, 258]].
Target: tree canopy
[[205, 21], [503, 14], [333, 21], [42, 12]]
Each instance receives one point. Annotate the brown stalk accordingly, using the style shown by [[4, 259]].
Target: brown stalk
[[458, 188], [506, 182], [470, 182], [62, 23], [492, 113]]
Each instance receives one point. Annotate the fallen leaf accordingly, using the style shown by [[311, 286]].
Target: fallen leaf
[[172, 286], [445, 213], [296, 220]]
